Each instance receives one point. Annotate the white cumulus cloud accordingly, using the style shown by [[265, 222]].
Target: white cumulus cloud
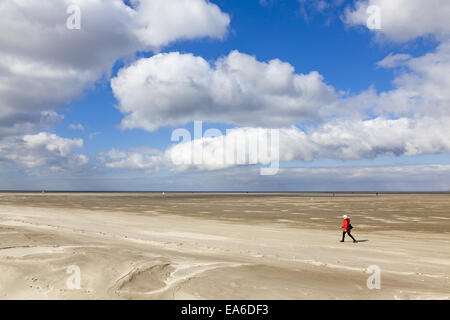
[[394, 60], [339, 139], [423, 88], [404, 20], [43, 150], [173, 89], [161, 21]]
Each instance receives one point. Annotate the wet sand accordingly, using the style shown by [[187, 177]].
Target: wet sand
[[223, 246]]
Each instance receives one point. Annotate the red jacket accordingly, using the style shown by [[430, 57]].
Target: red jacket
[[345, 224]]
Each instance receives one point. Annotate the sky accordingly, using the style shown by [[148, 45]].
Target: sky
[[339, 95]]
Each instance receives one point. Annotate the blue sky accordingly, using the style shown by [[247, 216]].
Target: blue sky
[[349, 110]]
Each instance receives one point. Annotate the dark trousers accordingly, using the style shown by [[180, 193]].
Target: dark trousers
[[349, 234]]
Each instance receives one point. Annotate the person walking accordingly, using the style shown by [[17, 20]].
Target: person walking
[[347, 227]]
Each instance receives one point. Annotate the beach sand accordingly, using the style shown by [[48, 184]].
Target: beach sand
[[223, 246]]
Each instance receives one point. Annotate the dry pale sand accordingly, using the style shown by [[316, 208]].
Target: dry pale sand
[[219, 246]]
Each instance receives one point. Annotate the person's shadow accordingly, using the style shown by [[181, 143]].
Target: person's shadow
[[362, 240]]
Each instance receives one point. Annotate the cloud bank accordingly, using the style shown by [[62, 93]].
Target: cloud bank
[[411, 119], [44, 65]]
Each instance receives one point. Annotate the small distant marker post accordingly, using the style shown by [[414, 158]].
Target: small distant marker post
[[164, 195]]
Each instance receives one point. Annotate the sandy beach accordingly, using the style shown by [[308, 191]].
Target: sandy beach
[[223, 246]]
